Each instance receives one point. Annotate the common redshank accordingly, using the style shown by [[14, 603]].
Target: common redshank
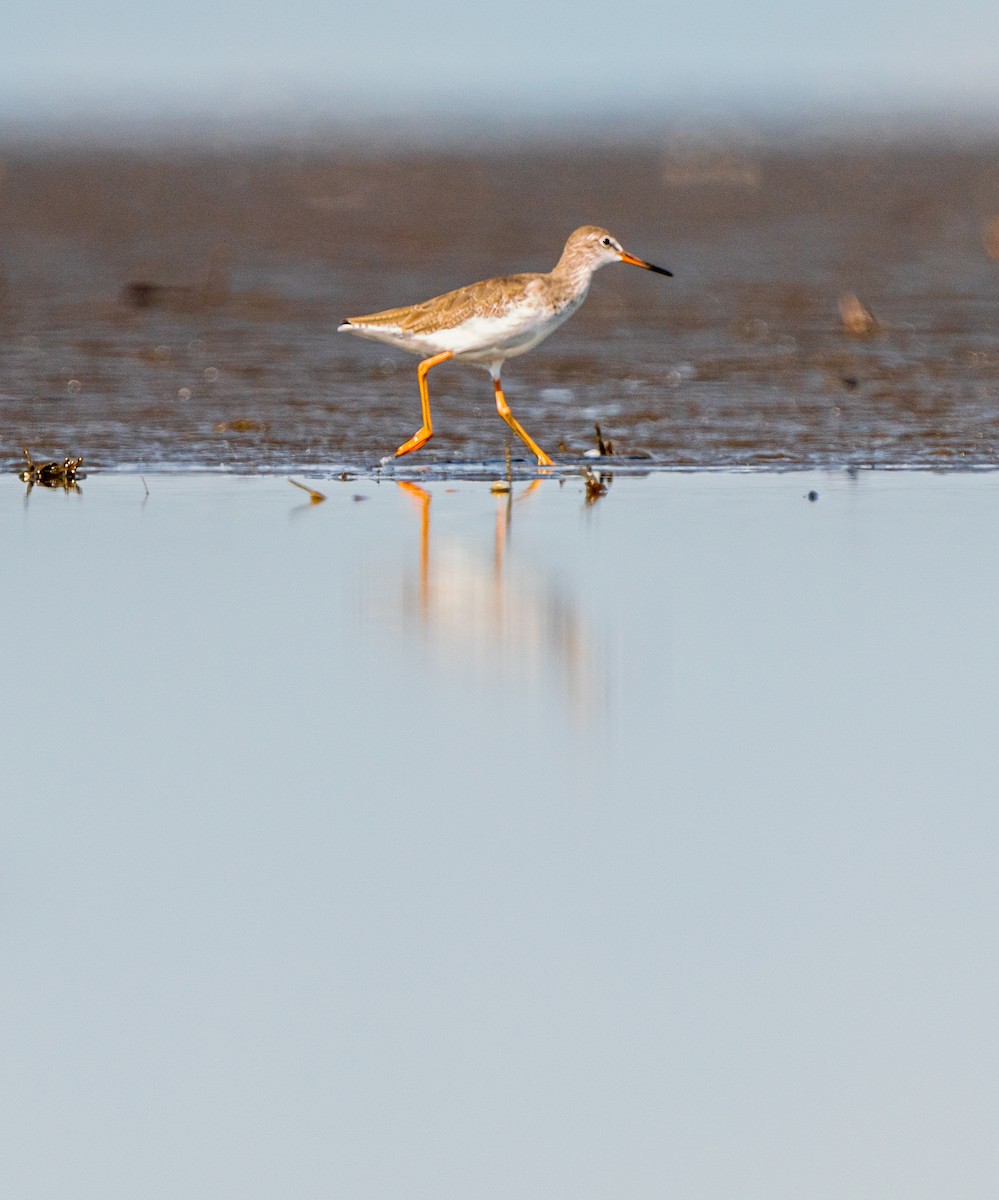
[[486, 323]]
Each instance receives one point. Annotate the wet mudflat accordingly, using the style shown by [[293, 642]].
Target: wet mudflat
[[501, 843], [166, 308]]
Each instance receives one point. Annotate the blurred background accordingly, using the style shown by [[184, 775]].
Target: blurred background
[[427, 70]]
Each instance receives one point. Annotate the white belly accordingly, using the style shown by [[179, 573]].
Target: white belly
[[488, 339], [480, 339]]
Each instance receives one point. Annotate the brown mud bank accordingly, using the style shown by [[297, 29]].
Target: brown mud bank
[[830, 306]]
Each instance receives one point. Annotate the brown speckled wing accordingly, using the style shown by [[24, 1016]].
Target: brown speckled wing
[[489, 298]]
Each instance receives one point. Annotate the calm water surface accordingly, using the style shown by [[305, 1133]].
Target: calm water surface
[[438, 842]]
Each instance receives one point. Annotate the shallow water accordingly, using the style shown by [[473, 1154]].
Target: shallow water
[[438, 841], [163, 309]]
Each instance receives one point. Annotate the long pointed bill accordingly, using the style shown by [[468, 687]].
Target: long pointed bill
[[631, 260]]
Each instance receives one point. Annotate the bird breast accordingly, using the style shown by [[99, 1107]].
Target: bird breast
[[504, 333]]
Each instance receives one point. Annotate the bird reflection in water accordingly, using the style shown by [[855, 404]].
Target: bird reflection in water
[[497, 616]]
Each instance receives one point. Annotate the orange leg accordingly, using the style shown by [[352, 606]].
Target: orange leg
[[504, 411], [423, 434]]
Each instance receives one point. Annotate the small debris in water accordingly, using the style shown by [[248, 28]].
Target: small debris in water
[[596, 485], [604, 448], [503, 487], [314, 496], [241, 425], [813, 496], [990, 237], [857, 318], [144, 293], [211, 292], [52, 474]]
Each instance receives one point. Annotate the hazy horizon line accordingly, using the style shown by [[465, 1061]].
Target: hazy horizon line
[[116, 119]]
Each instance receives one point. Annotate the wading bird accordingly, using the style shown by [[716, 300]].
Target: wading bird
[[486, 323]]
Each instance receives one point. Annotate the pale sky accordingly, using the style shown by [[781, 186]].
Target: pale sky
[[523, 59]]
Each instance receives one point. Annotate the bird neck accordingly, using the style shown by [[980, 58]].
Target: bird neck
[[573, 272]]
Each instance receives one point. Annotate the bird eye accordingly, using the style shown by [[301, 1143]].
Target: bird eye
[[606, 241]]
